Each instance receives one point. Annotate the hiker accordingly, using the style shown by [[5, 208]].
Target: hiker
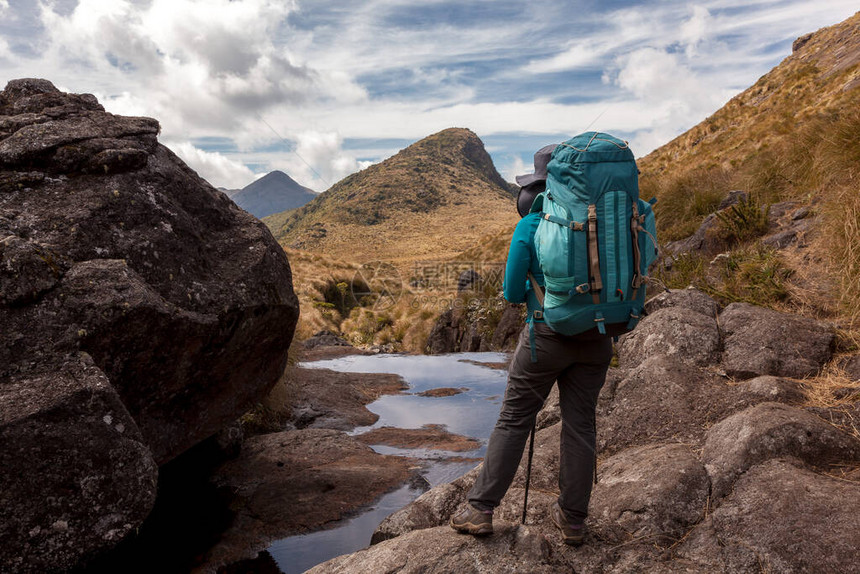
[[578, 362]]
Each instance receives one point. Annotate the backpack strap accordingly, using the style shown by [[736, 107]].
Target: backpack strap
[[595, 282], [574, 225], [637, 256]]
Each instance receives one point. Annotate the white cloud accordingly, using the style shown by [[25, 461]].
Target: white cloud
[[215, 168], [517, 166], [695, 30], [323, 71]]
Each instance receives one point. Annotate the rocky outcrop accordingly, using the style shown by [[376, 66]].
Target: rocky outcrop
[[772, 430], [696, 473], [763, 342], [116, 255], [471, 329]]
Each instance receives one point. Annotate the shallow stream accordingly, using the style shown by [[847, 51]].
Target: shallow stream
[[471, 413]]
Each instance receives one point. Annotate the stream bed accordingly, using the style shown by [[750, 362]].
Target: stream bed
[[471, 413]]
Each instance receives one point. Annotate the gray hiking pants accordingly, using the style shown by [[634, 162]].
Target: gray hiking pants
[[579, 364]]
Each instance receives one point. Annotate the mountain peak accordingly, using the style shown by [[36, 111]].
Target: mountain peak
[[273, 193], [434, 180]]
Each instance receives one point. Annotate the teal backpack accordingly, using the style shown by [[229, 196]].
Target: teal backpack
[[596, 238]]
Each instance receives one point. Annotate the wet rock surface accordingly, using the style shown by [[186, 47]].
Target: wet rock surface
[[335, 400], [430, 436], [181, 304], [297, 481]]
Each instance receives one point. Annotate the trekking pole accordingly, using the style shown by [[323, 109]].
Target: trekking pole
[[529, 469]]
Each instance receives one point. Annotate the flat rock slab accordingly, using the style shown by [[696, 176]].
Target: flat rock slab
[[784, 519], [772, 430], [335, 400], [430, 436], [654, 491], [443, 392], [297, 481], [678, 332], [76, 475], [759, 341]]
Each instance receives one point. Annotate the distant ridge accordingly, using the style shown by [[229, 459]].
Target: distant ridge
[[273, 193], [431, 200]]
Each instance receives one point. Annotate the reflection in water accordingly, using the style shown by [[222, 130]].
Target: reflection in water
[[471, 413]]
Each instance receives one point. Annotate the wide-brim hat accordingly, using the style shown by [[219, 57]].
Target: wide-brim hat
[[527, 195], [542, 157]]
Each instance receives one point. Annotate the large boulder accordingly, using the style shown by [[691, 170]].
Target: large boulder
[[674, 331], [76, 476], [112, 247], [759, 341], [664, 399], [654, 491], [772, 430], [784, 519]]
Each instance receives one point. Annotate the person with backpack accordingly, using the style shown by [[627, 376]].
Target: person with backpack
[[554, 266]]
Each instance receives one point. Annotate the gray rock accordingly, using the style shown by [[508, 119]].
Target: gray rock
[[772, 430], [760, 341], [469, 280], [664, 399], [703, 240], [509, 327], [76, 477], [733, 198], [688, 298], [677, 332], [511, 549], [773, 389], [654, 491], [27, 270], [433, 508], [784, 519], [550, 414], [142, 265]]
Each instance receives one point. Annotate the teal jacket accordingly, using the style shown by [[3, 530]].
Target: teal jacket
[[521, 259]]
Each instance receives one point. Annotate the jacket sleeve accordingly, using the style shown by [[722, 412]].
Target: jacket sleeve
[[519, 259]]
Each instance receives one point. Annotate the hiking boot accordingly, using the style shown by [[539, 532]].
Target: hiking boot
[[470, 520], [571, 533]]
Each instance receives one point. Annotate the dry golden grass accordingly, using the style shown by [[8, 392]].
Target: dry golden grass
[[792, 136]]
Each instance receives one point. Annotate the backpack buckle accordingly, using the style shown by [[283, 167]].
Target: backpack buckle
[[537, 314], [584, 288]]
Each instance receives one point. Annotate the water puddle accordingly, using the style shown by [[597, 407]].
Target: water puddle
[[471, 413]]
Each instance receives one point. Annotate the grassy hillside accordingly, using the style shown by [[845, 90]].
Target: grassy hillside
[[791, 136], [432, 200]]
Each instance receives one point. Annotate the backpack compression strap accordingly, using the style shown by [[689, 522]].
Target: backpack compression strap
[[595, 283], [637, 256]]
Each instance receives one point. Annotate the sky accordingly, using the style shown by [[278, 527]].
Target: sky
[[322, 88]]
